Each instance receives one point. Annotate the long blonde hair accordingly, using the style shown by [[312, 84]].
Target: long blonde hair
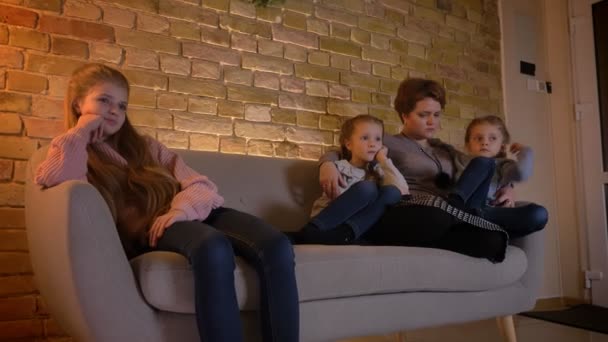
[[142, 183]]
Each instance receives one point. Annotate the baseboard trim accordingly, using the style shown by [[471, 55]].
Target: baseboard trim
[[557, 303]]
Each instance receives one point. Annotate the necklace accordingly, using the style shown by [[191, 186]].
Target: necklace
[[442, 179]]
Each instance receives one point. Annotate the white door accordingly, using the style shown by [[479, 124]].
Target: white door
[[592, 133]]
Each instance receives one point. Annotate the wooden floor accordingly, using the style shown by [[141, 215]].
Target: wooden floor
[[527, 330]]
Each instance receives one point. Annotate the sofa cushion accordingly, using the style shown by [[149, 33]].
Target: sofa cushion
[[325, 272]]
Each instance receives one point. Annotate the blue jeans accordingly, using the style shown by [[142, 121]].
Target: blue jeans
[[210, 247], [519, 221], [474, 182], [360, 207]]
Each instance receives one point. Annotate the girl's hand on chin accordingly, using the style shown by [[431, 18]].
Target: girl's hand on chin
[[93, 125], [381, 155]]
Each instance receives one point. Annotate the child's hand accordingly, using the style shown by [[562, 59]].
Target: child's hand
[[92, 124], [381, 155], [505, 197], [161, 223], [515, 148]]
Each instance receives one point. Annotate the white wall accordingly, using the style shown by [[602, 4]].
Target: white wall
[[539, 34]]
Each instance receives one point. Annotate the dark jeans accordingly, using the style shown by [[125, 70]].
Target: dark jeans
[[359, 207], [425, 226], [210, 247], [474, 182], [519, 221]]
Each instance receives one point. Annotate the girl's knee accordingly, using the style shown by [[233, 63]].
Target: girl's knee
[[389, 194], [485, 162], [366, 188], [213, 251], [539, 216], [277, 250]]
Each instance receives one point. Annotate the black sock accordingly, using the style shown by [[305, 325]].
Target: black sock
[[340, 235]]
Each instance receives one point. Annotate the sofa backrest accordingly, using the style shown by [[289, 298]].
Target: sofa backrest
[[280, 191]]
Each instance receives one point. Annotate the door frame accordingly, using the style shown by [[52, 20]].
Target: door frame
[[589, 149]]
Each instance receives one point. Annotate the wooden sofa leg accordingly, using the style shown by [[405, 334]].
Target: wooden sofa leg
[[507, 328]]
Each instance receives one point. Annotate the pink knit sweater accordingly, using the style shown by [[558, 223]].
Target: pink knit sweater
[[67, 160]]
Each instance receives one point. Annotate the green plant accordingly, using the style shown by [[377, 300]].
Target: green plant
[[264, 3]]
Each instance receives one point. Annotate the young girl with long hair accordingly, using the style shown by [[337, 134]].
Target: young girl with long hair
[[159, 203], [371, 184]]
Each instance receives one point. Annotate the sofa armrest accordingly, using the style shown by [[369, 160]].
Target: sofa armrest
[[80, 267], [534, 247]]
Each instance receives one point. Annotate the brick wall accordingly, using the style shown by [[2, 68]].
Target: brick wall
[[223, 75]]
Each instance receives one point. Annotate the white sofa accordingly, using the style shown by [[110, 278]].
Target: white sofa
[[96, 294]]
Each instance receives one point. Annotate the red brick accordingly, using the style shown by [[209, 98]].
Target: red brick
[[21, 329], [78, 28], [81, 9], [141, 58], [47, 5], [52, 65], [18, 16], [11, 194], [145, 5], [12, 218], [206, 69], [44, 107], [154, 24], [175, 65], [246, 26], [17, 285], [6, 170], [14, 262], [230, 108], [242, 8], [29, 39], [69, 47], [338, 16], [42, 128], [309, 103], [13, 240], [211, 53], [10, 123], [52, 328], [175, 9], [148, 41], [10, 57], [19, 174], [233, 145], [10, 102], [41, 307], [16, 147], [194, 87], [3, 34], [293, 85], [106, 53], [215, 36], [305, 39], [146, 79], [17, 308], [266, 80], [25, 82], [243, 42], [118, 17]]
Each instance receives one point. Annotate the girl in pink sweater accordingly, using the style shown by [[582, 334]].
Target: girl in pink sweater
[[159, 203]]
